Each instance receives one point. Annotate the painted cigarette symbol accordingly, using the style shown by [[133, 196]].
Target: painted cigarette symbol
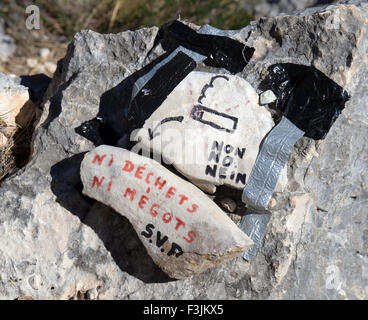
[[213, 118]]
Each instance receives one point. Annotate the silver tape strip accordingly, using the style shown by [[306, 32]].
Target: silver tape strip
[[254, 226], [208, 29], [270, 161]]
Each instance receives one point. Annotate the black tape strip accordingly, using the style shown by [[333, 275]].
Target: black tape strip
[[307, 97], [223, 52], [158, 88], [115, 103]]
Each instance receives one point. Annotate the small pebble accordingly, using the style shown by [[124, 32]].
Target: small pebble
[[228, 204], [267, 97], [272, 203]]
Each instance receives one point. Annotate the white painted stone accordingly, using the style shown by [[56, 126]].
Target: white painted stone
[[159, 204], [205, 115]]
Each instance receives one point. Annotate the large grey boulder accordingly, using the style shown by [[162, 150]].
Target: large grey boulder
[[57, 243]]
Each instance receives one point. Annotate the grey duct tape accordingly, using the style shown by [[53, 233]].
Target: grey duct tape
[[257, 193], [254, 226], [270, 161], [208, 29]]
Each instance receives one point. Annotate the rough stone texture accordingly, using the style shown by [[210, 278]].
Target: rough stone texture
[[182, 229], [55, 243], [217, 131], [7, 44]]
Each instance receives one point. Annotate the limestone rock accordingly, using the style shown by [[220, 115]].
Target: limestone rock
[[58, 244], [182, 229], [210, 128]]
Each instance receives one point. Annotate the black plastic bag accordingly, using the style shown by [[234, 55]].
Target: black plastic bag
[[307, 97], [156, 90]]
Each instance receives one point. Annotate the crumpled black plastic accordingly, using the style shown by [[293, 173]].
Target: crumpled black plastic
[[222, 52], [159, 87], [307, 97]]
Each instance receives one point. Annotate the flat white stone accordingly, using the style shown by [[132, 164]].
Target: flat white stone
[[209, 128], [182, 229]]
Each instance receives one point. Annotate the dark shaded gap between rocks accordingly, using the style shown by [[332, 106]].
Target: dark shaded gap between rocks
[[115, 231], [18, 153]]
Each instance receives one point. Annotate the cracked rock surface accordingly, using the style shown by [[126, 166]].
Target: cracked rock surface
[[58, 244]]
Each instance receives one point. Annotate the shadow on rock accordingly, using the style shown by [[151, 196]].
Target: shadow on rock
[[18, 151], [37, 85], [116, 232]]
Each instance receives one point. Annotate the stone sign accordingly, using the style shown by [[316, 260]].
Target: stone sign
[[209, 128], [182, 229]]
